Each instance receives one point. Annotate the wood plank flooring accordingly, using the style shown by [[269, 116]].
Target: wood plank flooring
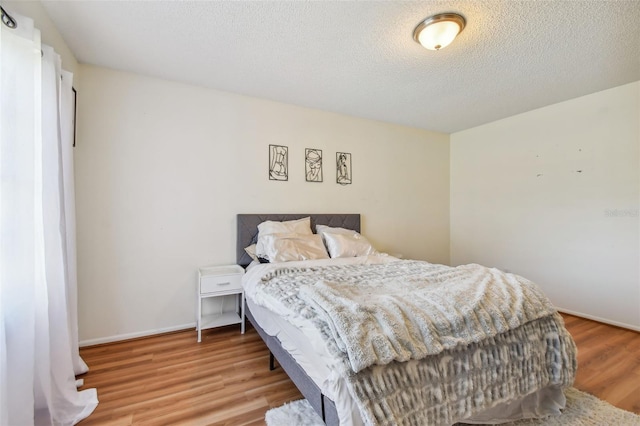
[[225, 380], [608, 361], [171, 379]]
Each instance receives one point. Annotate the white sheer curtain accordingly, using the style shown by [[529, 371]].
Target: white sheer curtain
[[39, 355]]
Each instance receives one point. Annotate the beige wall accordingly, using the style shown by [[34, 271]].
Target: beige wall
[[162, 169], [553, 195]]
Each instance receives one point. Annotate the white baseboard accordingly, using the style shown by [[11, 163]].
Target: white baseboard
[[128, 336], [192, 325], [603, 320]]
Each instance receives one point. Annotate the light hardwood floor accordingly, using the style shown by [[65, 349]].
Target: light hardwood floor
[[225, 380], [608, 362]]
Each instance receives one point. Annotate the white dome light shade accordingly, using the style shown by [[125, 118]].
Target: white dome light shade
[[439, 31]]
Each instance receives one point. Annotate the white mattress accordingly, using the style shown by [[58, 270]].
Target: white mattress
[[305, 345]]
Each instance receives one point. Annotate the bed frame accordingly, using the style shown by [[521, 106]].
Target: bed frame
[[247, 235]]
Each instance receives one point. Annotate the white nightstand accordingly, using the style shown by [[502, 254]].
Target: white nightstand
[[217, 281]]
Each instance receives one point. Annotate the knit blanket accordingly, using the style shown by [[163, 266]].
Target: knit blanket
[[457, 384], [473, 336]]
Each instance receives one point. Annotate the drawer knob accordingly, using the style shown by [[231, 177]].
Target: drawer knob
[[227, 283]]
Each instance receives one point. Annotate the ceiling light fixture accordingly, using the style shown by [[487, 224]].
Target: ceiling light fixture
[[439, 30]]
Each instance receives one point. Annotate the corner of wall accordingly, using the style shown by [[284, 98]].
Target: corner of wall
[[49, 33]]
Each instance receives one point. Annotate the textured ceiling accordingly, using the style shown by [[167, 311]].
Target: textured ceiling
[[359, 58]]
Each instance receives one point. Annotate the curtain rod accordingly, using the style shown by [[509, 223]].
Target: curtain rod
[[8, 19]]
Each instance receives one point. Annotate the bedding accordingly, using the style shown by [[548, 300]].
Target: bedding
[[467, 363], [269, 227], [342, 242], [287, 247], [247, 227], [298, 226], [303, 342], [348, 245], [410, 309], [324, 229], [251, 251]]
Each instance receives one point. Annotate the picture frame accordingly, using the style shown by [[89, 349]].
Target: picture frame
[[278, 162], [343, 168], [313, 165]]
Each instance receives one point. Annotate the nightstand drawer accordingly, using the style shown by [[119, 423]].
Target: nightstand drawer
[[220, 283]]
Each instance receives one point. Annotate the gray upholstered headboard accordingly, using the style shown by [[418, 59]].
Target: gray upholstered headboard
[[248, 227]]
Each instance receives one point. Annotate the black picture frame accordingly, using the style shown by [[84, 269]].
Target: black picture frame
[[343, 168], [313, 164], [278, 162]]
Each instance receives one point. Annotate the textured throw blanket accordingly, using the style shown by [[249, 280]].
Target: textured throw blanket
[[473, 336], [377, 319]]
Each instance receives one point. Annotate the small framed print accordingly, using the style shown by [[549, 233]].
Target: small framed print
[[343, 168], [278, 162], [313, 164]]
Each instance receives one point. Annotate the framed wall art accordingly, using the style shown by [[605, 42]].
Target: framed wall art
[[313, 164], [343, 168], [278, 162]]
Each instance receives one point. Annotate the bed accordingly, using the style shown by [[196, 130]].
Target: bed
[[337, 395]]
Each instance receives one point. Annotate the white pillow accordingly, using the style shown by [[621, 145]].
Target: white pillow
[[298, 226], [251, 251], [291, 246], [348, 245], [321, 229]]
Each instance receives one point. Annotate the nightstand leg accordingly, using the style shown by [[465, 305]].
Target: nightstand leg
[[242, 312], [199, 319]]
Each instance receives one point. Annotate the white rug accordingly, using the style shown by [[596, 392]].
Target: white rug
[[582, 410]]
